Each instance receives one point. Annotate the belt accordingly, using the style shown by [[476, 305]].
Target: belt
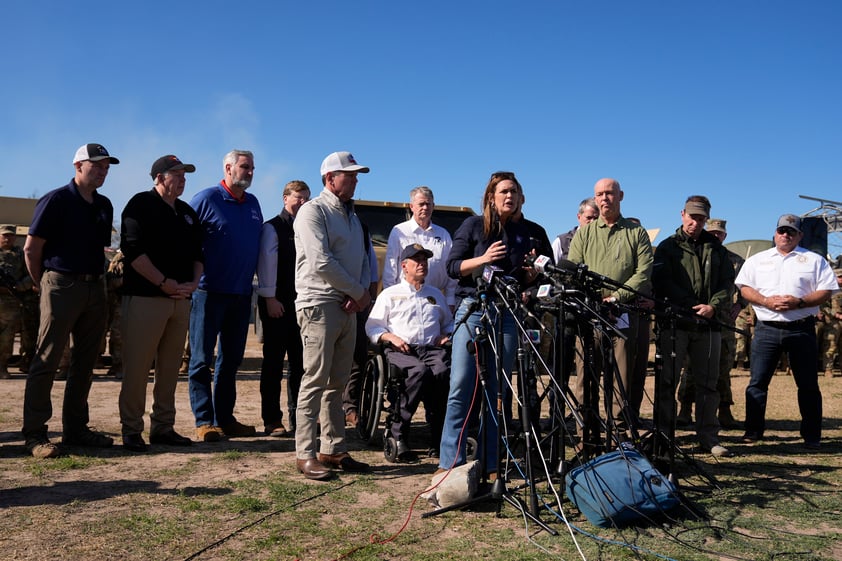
[[84, 277], [797, 324]]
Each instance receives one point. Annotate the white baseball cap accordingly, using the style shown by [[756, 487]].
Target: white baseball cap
[[341, 161], [94, 153]]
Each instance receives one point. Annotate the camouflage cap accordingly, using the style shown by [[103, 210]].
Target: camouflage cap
[[8, 229], [716, 225]]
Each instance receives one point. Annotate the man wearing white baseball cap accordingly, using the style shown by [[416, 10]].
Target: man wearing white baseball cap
[[65, 256], [332, 277]]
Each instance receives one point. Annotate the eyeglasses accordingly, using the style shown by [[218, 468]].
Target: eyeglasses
[[786, 231]]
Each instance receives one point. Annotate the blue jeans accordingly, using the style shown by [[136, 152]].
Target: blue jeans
[[222, 317], [799, 342], [463, 380]]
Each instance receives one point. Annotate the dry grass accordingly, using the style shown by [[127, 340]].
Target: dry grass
[[242, 499]]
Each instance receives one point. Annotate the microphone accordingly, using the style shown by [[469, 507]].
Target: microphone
[[492, 274], [544, 265]]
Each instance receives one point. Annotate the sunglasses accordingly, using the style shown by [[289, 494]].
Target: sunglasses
[[510, 175], [785, 230]]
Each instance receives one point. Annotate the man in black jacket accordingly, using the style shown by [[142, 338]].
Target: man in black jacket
[[276, 306]]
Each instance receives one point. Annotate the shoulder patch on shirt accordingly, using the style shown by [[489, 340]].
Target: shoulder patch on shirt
[[431, 300]]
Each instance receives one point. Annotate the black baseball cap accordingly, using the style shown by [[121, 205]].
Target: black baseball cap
[[411, 251], [170, 163]]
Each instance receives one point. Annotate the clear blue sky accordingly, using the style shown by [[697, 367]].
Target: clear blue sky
[[740, 101]]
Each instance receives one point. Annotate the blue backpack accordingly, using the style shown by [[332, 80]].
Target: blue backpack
[[618, 488]]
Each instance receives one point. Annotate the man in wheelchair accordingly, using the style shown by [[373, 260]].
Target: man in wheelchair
[[413, 323]]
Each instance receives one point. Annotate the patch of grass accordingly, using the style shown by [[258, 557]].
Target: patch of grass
[[232, 455], [243, 505], [64, 463]]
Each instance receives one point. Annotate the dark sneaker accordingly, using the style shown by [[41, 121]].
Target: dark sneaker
[[751, 438], [170, 438], [134, 442], [276, 429], [236, 428], [88, 438]]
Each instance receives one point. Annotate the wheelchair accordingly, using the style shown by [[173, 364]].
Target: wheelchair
[[381, 379]]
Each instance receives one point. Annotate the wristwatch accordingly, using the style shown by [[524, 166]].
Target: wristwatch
[[801, 303]]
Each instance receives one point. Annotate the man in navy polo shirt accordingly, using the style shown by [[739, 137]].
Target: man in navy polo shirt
[[65, 256], [231, 220]]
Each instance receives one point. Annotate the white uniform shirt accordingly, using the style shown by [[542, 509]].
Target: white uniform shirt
[[436, 239], [798, 274], [419, 317]]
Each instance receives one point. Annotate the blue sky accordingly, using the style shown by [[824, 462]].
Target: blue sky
[[740, 100]]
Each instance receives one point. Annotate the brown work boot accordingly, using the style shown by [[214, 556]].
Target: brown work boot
[[208, 433], [43, 449]]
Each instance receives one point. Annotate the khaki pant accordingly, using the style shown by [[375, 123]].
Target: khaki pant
[[69, 305], [155, 329], [328, 334]]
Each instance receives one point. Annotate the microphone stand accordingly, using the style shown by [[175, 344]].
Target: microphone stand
[[498, 491]]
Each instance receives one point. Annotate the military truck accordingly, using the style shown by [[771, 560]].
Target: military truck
[[382, 216], [17, 211]]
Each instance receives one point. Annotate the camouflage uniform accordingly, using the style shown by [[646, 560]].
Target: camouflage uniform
[[745, 321], [832, 315], [114, 282], [15, 281]]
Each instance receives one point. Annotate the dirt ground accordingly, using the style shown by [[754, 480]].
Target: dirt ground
[[111, 482]]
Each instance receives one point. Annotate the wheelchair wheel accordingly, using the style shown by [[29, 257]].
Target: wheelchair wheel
[[371, 398], [470, 449], [390, 449]]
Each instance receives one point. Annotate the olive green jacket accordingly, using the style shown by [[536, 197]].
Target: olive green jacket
[[686, 279]]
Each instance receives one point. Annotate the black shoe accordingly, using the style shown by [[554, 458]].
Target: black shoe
[[809, 445], [134, 442], [89, 438], [170, 438], [405, 454], [751, 438]]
